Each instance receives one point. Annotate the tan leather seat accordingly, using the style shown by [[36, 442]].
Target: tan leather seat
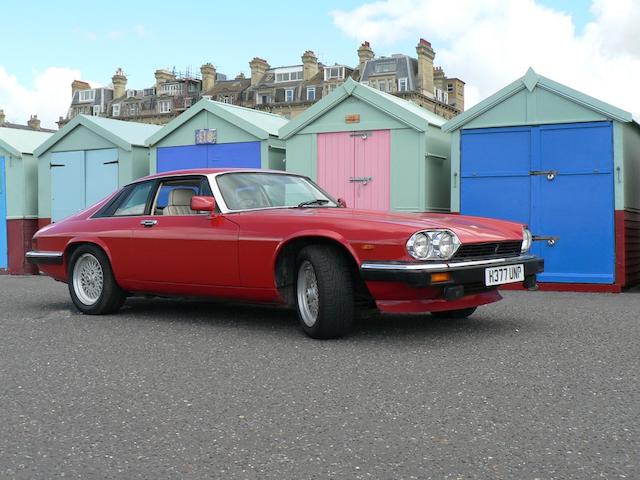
[[179, 202]]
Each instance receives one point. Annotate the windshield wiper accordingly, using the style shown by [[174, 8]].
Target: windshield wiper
[[317, 201]]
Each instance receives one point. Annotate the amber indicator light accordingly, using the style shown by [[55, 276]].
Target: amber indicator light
[[440, 277]]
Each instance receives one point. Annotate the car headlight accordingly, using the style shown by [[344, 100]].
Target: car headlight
[[433, 245], [527, 239]]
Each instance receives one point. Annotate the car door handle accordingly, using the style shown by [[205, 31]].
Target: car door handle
[[148, 223]]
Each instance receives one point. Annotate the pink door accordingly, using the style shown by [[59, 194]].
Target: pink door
[[355, 166]]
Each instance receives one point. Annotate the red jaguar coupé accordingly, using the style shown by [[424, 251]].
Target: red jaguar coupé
[[266, 236]]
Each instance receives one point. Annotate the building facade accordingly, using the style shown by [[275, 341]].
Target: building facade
[[284, 90]]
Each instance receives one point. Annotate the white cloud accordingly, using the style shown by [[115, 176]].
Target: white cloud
[[491, 43], [49, 97]]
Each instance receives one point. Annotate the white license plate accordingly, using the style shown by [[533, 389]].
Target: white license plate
[[502, 275]]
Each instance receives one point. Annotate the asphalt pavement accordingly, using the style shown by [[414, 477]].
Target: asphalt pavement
[[538, 386]]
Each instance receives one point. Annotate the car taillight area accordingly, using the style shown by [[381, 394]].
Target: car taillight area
[[488, 250]]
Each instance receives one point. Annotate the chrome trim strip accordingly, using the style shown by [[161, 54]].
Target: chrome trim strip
[[37, 254], [428, 267]]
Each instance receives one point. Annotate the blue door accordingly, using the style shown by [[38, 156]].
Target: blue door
[[3, 216], [556, 178], [221, 155], [67, 184], [101, 174]]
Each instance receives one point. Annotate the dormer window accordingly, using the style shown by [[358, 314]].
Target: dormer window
[[289, 76], [384, 67], [331, 73], [115, 110], [86, 95]]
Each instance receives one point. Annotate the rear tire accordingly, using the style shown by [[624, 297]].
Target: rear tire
[[455, 314], [91, 283], [324, 292]]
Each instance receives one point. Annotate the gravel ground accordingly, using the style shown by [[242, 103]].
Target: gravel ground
[[538, 386]]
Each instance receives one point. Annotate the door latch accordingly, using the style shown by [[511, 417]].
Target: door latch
[[362, 180], [551, 174], [148, 223], [551, 241]]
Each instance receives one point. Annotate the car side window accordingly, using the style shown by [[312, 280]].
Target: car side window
[[135, 202], [173, 197]]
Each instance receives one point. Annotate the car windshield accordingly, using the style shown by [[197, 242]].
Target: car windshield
[[252, 190]]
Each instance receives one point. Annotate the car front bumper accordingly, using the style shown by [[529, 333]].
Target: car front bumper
[[44, 258], [463, 275]]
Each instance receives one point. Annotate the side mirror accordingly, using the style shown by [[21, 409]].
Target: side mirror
[[342, 202], [203, 204]]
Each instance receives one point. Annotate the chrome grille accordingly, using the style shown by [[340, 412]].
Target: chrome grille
[[489, 250]]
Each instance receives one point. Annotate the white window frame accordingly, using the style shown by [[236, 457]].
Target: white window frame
[[164, 106], [96, 110], [403, 84], [311, 94], [131, 93], [115, 110], [289, 95], [328, 73], [86, 95]]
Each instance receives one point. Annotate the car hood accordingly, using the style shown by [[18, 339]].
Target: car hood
[[469, 229]]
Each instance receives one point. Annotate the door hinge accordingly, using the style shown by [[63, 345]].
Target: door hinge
[[54, 165], [362, 134], [111, 163], [362, 180]]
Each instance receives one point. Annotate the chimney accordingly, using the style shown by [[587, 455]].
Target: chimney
[[240, 76], [258, 68], [3, 118], [365, 53], [34, 122], [208, 72], [310, 62], [78, 85], [119, 84], [439, 78], [163, 76], [425, 67]]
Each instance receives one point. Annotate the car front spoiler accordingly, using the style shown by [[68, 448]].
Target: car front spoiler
[[461, 272], [44, 258]]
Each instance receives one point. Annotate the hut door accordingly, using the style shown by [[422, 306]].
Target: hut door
[[3, 216], [67, 184], [102, 174], [355, 166], [556, 178]]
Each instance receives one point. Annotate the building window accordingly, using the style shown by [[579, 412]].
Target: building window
[[263, 99], [206, 97], [449, 87], [86, 95], [383, 67], [134, 109], [164, 106], [288, 95], [390, 85], [226, 99], [148, 92], [289, 76], [311, 93], [403, 85], [171, 89], [131, 93], [188, 101], [115, 110], [333, 72], [96, 110]]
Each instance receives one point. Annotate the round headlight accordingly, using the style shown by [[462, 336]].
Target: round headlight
[[444, 243], [419, 246], [527, 239]]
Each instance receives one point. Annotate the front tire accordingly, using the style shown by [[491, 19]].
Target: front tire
[[324, 292], [455, 314], [91, 283]]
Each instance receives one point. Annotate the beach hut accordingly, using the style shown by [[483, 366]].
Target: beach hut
[[563, 162]]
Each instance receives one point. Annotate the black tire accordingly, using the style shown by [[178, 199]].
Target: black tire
[[335, 292], [110, 297], [455, 314]]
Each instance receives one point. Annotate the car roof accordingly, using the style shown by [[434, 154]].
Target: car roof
[[209, 171]]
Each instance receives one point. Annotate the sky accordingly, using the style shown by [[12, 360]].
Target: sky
[[590, 45]]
